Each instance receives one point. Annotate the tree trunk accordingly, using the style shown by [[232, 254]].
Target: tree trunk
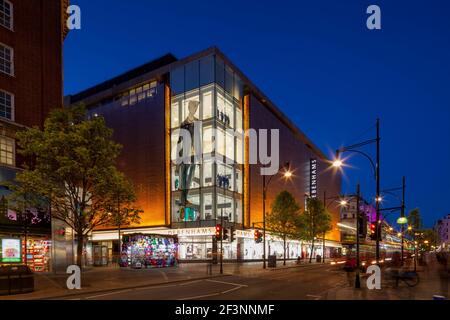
[[312, 251], [120, 247], [80, 239], [323, 248], [284, 254]]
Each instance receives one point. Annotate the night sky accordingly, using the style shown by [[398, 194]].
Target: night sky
[[317, 61]]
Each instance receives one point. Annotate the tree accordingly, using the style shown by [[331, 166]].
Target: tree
[[71, 165], [315, 220], [282, 221], [123, 211], [414, 219]]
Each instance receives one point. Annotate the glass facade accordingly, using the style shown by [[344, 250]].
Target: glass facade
[[206, 104]]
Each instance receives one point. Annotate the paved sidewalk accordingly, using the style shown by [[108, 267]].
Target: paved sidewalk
[[101, 279]]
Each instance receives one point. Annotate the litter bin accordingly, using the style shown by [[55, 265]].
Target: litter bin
[[318, 258], [16, 279], [272, 261]]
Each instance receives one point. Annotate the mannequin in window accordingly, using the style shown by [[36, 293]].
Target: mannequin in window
[[186, 171]]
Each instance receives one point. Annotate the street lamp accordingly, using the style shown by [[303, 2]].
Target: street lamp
[[286, 174], [338, 163]]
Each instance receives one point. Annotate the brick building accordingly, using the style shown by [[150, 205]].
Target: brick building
[[31, 84]]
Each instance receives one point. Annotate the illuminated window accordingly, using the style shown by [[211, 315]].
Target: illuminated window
[[6, 14], [6, 59], [7, 151], [6, 105]]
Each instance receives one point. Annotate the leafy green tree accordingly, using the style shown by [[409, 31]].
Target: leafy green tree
[[72, 167], [123, 211], [315, 220], [282, 221]]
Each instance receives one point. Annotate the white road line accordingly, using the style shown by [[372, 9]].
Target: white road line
[[164, 275], [230, 283], [191, 282], [108, 294], [313, 296], [231, 290], [155, 287]]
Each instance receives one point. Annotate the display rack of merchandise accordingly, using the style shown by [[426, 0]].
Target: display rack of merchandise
[[147, 251], [38, 255]]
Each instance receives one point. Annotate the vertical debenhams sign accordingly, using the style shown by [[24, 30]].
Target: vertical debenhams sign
[[313, 178]]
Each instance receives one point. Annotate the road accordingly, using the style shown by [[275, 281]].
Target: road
[[306, 282]]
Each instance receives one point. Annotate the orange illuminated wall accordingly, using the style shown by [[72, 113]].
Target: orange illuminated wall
[[295, 151]]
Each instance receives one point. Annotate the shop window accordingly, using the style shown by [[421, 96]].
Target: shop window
[[238, 91], [228, 80], [192, 77], [206, 70], [220, 72], [207, 102], [225, 177], [238, 181], [191, 96], [175, 114], [208, 206], [208, 140], [177, 81], [208, 180], [225, 208]]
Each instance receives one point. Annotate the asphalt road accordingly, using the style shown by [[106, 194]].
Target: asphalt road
[[306, 283]]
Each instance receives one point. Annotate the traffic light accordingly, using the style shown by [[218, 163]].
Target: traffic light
[[258, 236], [218, 231], [225, 234], [373, 235], [232, 234]]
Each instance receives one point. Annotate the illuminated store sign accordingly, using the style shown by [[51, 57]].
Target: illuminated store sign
[[313, 178], [11, 250]]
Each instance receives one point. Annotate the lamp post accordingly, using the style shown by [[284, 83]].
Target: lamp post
[[344, 203], [376, 167], [287, 174]]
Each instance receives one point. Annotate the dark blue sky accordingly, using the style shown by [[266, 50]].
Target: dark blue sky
[[317, 61]]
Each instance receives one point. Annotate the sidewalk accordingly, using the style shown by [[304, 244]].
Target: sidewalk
[[101, 279]]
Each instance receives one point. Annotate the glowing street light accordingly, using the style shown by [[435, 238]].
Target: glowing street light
[[288, 174], [343, 203], [337, 163]]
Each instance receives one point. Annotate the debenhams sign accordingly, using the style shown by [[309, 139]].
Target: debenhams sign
[[313, 178]]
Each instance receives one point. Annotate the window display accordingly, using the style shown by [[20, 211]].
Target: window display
[[147, 251], [11, 251], [38, 254]]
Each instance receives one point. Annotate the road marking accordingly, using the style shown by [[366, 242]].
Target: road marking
[[108, 294], [164, 275], [231, 290], [188, 283], [155, 287], [230, 283], [199, 297]]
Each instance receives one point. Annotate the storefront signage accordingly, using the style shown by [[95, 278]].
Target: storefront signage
[[11, 250], [313, 178], [190, 232]]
